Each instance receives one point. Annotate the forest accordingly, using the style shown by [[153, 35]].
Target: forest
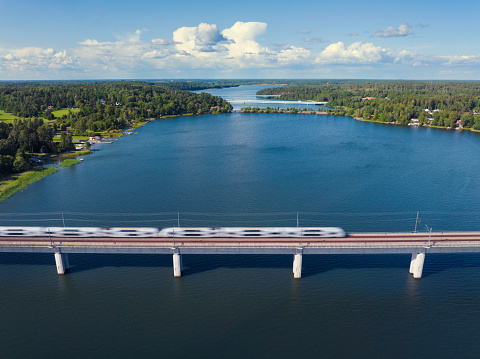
[[449, 104], [87, 108]]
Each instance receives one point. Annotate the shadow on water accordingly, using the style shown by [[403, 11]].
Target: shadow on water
[[193, 264]]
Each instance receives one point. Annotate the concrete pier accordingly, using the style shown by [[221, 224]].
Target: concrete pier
[[412, 262], [61, 260], [177, 264], [297, 264], [418, 264]]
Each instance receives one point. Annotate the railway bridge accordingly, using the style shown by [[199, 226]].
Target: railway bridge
[[416, 244]]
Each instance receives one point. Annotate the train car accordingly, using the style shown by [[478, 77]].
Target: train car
[[74, 232], [181, 232], [206, 232], [23, 231], [129, 232], [249, 232]]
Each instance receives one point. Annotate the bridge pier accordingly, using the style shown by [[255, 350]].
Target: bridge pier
[[177, 263], [61, 260], [297, 264], [416, 263]]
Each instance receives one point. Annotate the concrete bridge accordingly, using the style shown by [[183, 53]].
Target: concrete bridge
[[417, 244]]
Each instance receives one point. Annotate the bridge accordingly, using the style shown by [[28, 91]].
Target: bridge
[[416, 244]]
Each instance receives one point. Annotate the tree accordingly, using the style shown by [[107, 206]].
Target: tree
[[20, 164], [66, 143]]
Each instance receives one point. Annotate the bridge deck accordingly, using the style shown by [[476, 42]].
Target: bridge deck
[[396, 242]]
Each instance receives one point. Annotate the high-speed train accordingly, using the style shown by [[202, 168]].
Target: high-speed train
[[174, 232]]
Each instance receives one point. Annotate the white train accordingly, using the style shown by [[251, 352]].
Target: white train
[[172, 232]]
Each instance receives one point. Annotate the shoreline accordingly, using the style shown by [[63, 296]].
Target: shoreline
[[13, 183]]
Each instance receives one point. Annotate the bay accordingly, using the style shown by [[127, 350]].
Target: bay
[[251, 170]]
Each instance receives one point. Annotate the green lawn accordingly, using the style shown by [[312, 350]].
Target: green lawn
[[60, 113], [7, 117]]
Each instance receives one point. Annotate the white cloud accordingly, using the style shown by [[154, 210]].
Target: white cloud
[[242, 32], [402, 30], [463, 60], [356, 53], [34, 58], [161, 42], [293, 55], [206, 49], [405, 56], [201, 38]]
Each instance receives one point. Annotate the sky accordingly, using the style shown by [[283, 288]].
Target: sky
[[213, 39]]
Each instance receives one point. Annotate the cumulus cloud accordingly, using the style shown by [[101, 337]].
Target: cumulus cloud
[[356, 53], [463, 60], [242, 40], [35, 58], [304, 31], [293, 55], [206, 47], [422, 24], [402, 30], [201, 38], [353, 34]]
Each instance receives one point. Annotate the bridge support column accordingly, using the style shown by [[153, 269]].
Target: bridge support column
[[297, 264], [416, 264], [412, 262], [177, 263], [61, 260]]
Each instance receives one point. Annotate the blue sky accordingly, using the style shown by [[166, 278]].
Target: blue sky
[[187, 39]]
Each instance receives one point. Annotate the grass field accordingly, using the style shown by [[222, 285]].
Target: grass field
[[60, 113], [7, 117]]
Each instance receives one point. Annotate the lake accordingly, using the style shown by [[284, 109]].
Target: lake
[[252, 170]]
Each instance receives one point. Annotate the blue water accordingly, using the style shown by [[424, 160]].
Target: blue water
[[245, 96], [249, 170]]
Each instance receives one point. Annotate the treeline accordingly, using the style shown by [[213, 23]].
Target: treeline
[[436, 103], [104, 106]]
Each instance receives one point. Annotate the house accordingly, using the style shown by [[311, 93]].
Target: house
[[368, 98], [414, 122]]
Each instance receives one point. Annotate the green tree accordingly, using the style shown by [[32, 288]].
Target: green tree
[[66, 143], [20, 164]]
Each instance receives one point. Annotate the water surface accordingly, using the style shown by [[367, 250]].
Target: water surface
[[252, 169]]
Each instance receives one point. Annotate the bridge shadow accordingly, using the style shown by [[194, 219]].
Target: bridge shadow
[[194, 264]]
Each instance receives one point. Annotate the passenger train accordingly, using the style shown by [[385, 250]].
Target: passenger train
[[174, 232]]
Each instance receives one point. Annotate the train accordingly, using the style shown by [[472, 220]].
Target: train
[[174, 232]]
